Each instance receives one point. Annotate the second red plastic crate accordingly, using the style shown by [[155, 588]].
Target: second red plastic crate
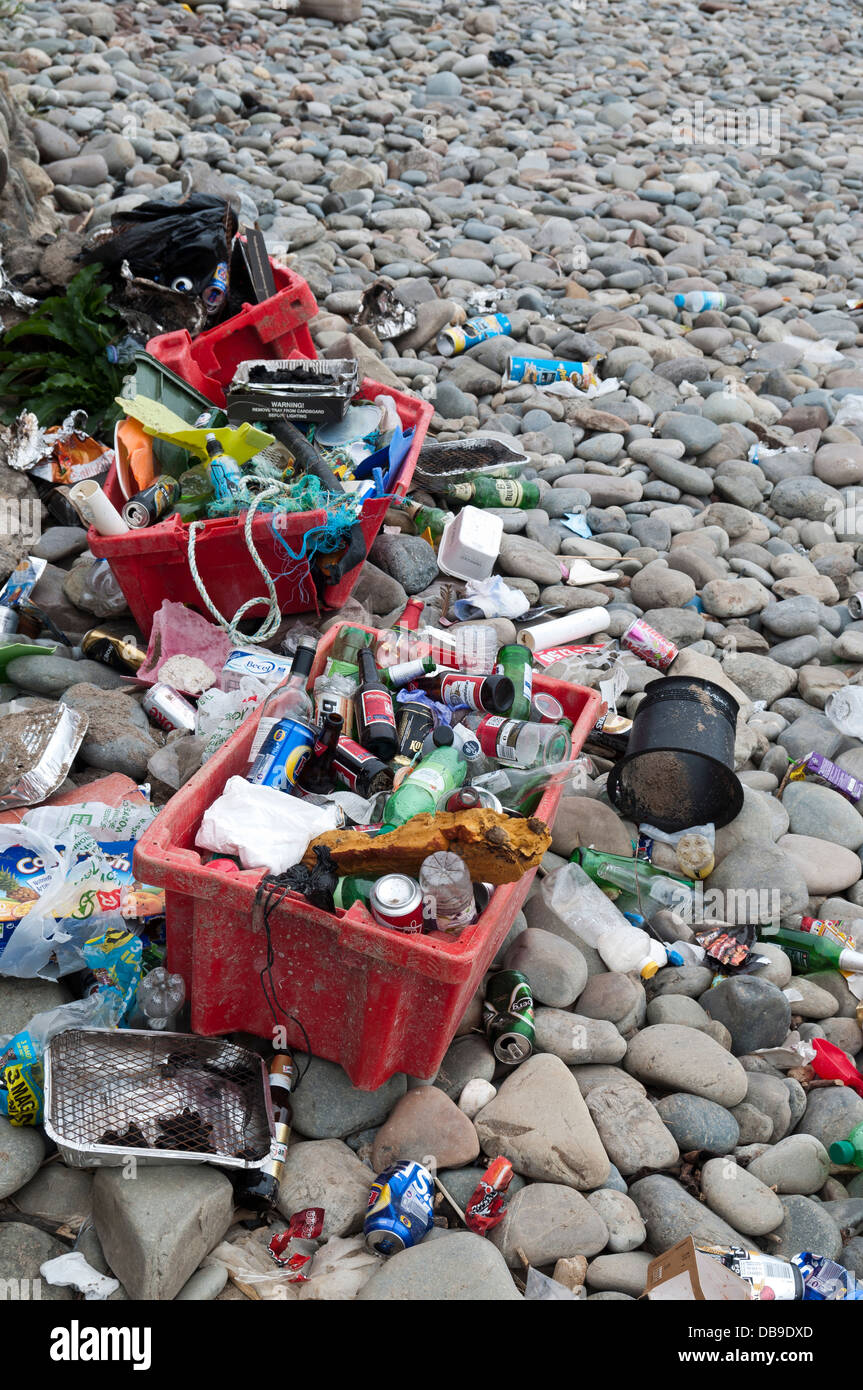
[[370, 998]]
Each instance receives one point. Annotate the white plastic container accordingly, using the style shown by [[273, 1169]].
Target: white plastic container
[[470, 544], [629, 948]]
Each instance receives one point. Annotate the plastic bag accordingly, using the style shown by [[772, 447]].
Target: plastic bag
[[540, 1287], [22, 1096], [72, 1271], [80, 902], [168, 242], [490, 598], [339, 1269], [220, 712], [265, 828]]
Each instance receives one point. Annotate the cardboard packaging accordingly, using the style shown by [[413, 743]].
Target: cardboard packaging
[[685, 1273]]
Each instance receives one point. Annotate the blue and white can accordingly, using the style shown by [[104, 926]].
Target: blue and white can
[[544, 371], [400, 1210], [458, 338], [282, 754]]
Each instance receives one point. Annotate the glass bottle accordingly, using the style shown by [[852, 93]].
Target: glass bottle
[[442, 771], [289, 700]]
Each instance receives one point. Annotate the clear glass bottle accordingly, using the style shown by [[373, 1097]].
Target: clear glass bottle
[[289, 700]]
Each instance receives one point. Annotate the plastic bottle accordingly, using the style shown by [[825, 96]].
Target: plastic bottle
[[696, 301], [159, 999], [448, 901], [844, 709], [124, 351], [442, 771], [629, 948], [849, 1150], [225, 473]]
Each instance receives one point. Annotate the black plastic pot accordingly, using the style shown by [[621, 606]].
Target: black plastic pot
[[679, 764]]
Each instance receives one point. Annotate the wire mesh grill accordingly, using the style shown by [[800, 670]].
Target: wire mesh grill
[[168, 1094]]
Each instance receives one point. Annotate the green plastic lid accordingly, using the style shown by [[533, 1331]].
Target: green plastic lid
[[842, 1151]]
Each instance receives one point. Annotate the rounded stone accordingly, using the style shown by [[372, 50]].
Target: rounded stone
[[740, 1198], [556, 969], [754, 1011], [698, 1124]]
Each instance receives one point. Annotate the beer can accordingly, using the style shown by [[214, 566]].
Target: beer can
[[544, 371], [166, 707], [649, 644], [8, 619], [855, 605], [454, 340], [468, 799], [329, 699], [152, 503], [415, 722], [396, 901], [400, 1209], [282, 754], [99, 645], [217, 287], [507, 1017]]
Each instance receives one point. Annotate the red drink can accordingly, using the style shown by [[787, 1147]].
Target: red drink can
[[396, 901], [166, 707], [649, 644]]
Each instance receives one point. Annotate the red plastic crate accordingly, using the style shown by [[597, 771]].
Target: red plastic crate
[[372, 999], [277, 327], [152, 564]]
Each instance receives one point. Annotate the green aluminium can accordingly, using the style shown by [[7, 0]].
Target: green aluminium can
[[516, 662], [507, 1017]]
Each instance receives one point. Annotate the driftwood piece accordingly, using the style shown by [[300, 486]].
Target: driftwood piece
[[496, 848]]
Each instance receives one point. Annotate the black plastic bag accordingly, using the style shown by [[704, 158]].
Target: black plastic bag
[[169, 242]]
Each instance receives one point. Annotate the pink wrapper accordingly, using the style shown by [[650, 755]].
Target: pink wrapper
[[178, 631]]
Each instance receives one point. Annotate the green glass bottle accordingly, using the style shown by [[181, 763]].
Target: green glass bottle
[[431, 519], [636, 876], [807, 951], [441, 772], [353, 889], [494, 492], [349, 643], [516, 662], [849, 1150]]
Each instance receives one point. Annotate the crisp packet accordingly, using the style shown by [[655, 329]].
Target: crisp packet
[[818, 769], [22, 1093], [115, 959], [294, 1248]]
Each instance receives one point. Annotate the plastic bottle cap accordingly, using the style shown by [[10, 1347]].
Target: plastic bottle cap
[[842, 1151], [649, 969], [674, 957]]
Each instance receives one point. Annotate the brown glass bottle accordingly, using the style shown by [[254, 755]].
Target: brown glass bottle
[[258, 1188], [373, 709], [318, 774]]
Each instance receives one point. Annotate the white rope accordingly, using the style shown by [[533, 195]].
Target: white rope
[[272, 621]]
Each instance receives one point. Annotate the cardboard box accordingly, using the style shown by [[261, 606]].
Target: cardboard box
[[683, 1272]]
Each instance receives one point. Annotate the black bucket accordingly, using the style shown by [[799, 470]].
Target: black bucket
[[679, 764]]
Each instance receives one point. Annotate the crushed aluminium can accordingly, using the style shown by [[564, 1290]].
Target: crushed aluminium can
[[167, 708], [650, 645], [486, 1208], [151, 505], [400, 1210], [507, 1017], [456, 339], [545, 371]]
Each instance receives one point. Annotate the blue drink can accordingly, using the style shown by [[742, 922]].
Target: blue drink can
[[456, 339], [216, 288], [543, 371], [400, 1210], [282, 754]]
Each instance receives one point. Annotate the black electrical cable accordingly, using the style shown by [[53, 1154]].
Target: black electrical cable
[[275, 894]]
